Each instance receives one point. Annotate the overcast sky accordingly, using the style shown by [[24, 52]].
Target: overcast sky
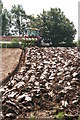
[[69, 7]]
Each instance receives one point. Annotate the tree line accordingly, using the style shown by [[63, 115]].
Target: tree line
[[53, 24]]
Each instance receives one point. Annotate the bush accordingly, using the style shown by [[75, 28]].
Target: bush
[[15, 40], [3, 45], [13, 44], [79, 43], [28, 43], [75, 42], [68, 45], [60, 115]]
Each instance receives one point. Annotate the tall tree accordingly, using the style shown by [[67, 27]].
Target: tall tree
[[1, 7], [19, 19], [55, 27], [6, 22], [32, 21]]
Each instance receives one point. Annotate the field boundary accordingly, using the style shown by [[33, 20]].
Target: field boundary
[[9, 38], [6, 79]]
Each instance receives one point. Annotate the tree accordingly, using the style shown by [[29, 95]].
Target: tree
[[31, 21], [1, 7], [6, 22], [55, 27], [19, 19]]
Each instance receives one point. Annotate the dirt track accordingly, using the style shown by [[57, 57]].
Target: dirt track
[[10, 59]]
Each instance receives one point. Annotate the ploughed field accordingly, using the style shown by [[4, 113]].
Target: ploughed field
[[9, 60], [47, 84]]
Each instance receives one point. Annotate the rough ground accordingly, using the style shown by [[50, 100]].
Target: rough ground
[[10, 59], [48, 85]]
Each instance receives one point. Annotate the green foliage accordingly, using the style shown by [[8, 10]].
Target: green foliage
[[15, 40], [55, 27], [60, 115], [3, 45], [32, 21], [76, 43], [1, 7], [6, 22], [18, 18], [23, 44], [32, 116], [13, 44], [79, 43], [79, 117], [28, 43]]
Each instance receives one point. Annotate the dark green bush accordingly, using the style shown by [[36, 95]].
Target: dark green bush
[[11, 45], [15, 40], [3, 45], [28, 43], [15, 43], [67, 45]]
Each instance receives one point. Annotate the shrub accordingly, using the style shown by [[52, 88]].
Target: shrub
[[28, 43], [15, 40], [60, 115], [3, 45], [11, 45], [79, 117], [14, 44]]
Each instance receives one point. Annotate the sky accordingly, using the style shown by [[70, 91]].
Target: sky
[[69, 7]]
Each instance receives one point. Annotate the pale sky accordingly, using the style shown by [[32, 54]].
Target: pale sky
[[69, 7]]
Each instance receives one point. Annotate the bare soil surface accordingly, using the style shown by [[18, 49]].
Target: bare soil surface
[[48, 85], [10, 59]]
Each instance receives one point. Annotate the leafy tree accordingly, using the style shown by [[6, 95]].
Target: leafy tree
[[31, 21], [55, 27], [19, 19], [6, 22], [1, 7]]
